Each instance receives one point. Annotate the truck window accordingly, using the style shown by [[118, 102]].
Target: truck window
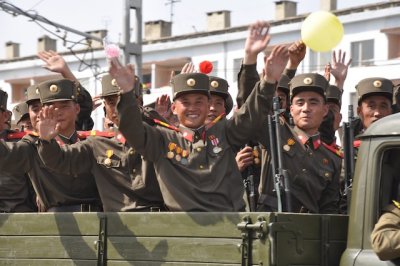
[[390, 178]]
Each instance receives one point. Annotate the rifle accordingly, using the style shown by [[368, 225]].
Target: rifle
[[348, 139], [280, 174], [249, 186]]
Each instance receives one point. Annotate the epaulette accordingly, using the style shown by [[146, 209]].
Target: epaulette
[[32, 133], [166, 125], [357, 143], [16, 135], [335, 150], [85, 134], [396, 203]]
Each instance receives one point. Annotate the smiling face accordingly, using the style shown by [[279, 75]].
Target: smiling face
[[373, 108], [308, 109], [191, 109], [217, 107]]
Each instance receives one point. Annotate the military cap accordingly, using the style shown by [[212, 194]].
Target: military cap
[[219, 87], [3, 100], [308, 82], [109, 86], [283, 83], [32, 94], [190, 83], [58, 90], [334, 95], [374, 86], [20, 111]]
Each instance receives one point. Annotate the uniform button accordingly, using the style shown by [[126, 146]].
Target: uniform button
[[201, 167], [310, 153], [326, 174], [131, 152], [198, 149], [304, 170]]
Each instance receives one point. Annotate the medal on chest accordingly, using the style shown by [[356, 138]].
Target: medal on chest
[[215, 142]]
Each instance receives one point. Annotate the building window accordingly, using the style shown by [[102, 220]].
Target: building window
[[318, 60], [214, 71], [393, 35], [362, 53], [237, 62]]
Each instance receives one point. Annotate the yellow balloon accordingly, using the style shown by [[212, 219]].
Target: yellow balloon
[[321, 31]]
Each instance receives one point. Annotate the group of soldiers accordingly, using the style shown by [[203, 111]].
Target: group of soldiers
[[186, 155]]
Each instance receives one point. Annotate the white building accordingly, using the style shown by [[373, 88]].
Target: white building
[[371, 38]]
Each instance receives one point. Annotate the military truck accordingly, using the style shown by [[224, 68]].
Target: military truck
[[218, 238]]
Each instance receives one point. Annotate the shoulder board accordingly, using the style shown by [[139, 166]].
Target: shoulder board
[[32, 133], [357, 143], [16, 135], [166, 125], [396, 203], [85, 134], [333, 149]]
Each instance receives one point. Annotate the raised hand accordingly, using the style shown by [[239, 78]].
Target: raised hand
[[97, 101], [47, 126], [56, 63], [162, 106], [256, 42], [297, 52], [124, 75], [276, 63], [188, 68], [339, 67]]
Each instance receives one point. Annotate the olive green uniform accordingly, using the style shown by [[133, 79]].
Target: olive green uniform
[[53, 189], [313, 175], [205, 177], [124, 181], [385, 237], [16, 192]]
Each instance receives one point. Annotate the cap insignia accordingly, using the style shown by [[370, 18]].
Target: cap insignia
[[214, 84], [53, 88], [191, 82], [377, 83], [307, 81]]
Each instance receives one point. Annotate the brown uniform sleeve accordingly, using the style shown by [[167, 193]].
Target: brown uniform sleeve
[[69, 160], [385, 237], [15, 157], [289, 72], [247, 79], [250, 121], [146, 139]]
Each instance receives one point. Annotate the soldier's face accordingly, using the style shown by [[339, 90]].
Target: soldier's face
[[217, 107], [25, 124], [308, 109], [67, 112], [34, 109], [374, 108], [110, 103], [338, 116], [191, 109]]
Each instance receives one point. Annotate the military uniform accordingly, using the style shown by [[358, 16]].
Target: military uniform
[[220, 87], [313, 169], [56, 192], [16, 194], [385, 237], [125, 181], [196, 167]]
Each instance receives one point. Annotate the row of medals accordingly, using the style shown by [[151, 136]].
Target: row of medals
[[183, 158]]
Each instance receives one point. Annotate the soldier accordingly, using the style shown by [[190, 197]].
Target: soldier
[[16, 193], [313, 170], [385, 237], [21, 114], [55, 192], [193, 162], [125, 181], [220, 99], [375, 97]]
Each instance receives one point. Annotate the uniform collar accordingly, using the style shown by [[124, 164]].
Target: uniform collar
[[193, 135], [304, 138], [61, 139]]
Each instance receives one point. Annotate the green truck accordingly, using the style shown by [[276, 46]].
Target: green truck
[[198, 239]]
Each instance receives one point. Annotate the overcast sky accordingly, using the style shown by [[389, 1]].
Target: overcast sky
[[87, 15]]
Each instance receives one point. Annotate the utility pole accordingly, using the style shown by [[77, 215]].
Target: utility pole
[[135, 47]]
